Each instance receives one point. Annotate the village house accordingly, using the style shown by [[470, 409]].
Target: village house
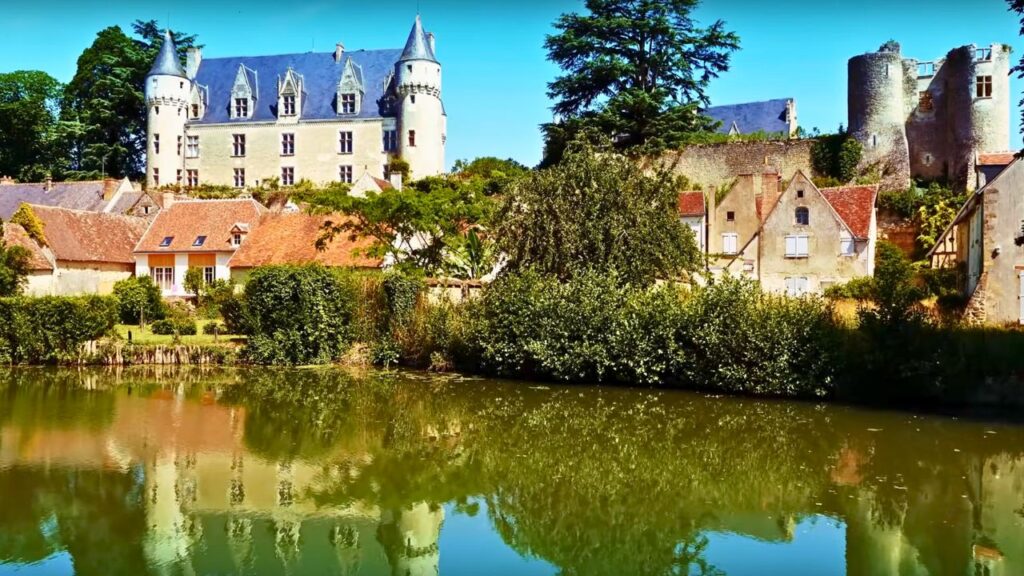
[[733, 221], [109, 195], [291, 238], [692, 212], [201, 234], [985, 245], [85, 252], [39, 280]]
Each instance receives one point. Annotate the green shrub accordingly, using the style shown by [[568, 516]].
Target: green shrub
[[52, 328], [214, 295], [298, 314], [401, 291], [235, 312], [138, 297], [213, 328], [856, 289], [836, 156], [194, 281], [175, 326]]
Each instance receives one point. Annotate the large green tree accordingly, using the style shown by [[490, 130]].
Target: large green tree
[[103, 108], [14, 263], [28, 122], [596, 210], [634, 70]]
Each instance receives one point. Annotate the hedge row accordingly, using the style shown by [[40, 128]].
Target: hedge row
[[52, 329]]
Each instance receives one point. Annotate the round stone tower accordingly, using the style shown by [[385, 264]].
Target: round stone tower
[[421, 118], [167, 91], [990, 114], [877, 110]]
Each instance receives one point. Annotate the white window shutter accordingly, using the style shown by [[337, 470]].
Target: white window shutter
[[801, 245], [790, 245]]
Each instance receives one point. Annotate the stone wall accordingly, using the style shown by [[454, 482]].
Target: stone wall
[[895, 229], [718, 164]]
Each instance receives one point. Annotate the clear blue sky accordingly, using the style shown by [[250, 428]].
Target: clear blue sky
[[495, 71]]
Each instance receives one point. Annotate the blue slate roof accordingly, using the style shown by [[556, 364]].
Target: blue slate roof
[[86, 195], [749, 117], [167, 62], [321, 75], [417, 47]]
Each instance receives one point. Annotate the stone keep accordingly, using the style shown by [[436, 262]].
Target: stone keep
[[929, 119], [167, 91]]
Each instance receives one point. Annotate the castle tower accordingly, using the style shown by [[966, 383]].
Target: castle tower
[[421, 117], [876, 103], [990, 110], [167, 92]]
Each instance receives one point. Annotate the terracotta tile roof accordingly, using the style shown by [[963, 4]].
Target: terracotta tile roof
[[83, 236], [384, 184], [691, 203], [15, 235], [291, 239], [996, 158], [184, 221], [854, 204]]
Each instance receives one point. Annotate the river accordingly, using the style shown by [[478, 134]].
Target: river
[[320, 471]]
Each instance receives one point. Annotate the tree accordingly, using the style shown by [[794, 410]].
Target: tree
[[596, 210], [635, 70], [414, 226], [139, 299], [28, 122], [14, 262], [492, 174], [104, 108]]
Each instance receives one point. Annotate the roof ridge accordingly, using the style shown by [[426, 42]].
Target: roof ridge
[[80, 211], [313, 52]]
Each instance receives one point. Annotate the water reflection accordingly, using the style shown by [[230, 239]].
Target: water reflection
[[321, 472]]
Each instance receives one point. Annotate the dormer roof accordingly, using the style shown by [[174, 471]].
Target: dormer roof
[[417, 47], [167, 62]]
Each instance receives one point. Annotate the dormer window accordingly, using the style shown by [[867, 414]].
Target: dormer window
[[195, 110], [289, 94], [166, 241], [243, 93], [199, 241], [348, 103], [197, 102], [288, 105], [241, 107], [350, 89], [236, 239]]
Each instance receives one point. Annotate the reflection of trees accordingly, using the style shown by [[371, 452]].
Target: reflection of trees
[[52, 399]]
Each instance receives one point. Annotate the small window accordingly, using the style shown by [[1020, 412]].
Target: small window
[[390, 140], [287, 144], [156, 143], [729, 242], [345, 174], [288, 176], [800, 193], [179, 145], [412, 138], [236, 239], [199, 241], [874, 140], [796, 286], [166, 241], [847, 247], [209, 274], [344, 142], [796, 246], [928, 159], [156, 176], [348, 103], [239, 177], [192, 178], [195, 110], [192, 147], [412, 99], [288, 103], [983, 54], [177, 176], [238, 145], [730, 216], [241, 107], [803, 216], [145, 210], [984, 87], [408, 67]]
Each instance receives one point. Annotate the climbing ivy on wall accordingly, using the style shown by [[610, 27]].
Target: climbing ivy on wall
[[836, 156], [30, 222]]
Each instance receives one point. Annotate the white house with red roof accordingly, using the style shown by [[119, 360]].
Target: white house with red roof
[[692, 212], [195, 234]]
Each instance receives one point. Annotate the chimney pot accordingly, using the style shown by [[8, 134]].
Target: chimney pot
[[168, 200], [193, 58], [48, 184], [339, 51]]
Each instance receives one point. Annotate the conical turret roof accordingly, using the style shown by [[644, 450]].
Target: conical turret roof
[[417, 47], [167, 62]]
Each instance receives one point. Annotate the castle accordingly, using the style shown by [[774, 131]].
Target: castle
[[322, 117], [930, 119]]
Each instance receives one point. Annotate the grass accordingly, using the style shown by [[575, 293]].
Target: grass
[[145, 336]]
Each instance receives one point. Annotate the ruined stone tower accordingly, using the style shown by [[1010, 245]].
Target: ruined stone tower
[[929, 119]]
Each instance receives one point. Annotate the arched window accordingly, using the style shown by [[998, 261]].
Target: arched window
[[803, 216]]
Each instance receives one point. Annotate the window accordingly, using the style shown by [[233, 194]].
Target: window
[[729, 242], [796, 246], [156, 176], [238, 145], [288, 102], [345, 174], [192, 178], [177, 176], [145, 210], [288, 176], [239, 177], [236, 239], [874, 140], [846, 246], [925, 69], [925, 103], [408, 67], [166, 241], [241, 107], [390, 140], [928, 159], [984, 87], [412, 99], [799, 193], [412, 137], [157, 110], [287, 144], [803, 216], [344, 142], [156, 143], [163, 277], [209, 274], [730, 216], [199, 241], [348, 103], [195, 110], [192, 147], [796, 286], [983, 54], [179, 145]]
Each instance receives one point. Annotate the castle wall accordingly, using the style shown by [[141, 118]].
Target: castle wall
[[877, 112], [718, 164]]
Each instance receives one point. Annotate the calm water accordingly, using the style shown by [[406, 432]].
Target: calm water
[[320, 472]]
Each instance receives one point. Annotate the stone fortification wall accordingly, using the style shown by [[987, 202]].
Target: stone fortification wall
[[877, 113], [719, 164]]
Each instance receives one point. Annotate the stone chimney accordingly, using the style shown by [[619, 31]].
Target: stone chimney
[[770, 190], [110, 187], [396, 180], [430, 40], [7, 181], [339, 51], [168, 200], [193, 58], [48, 184]]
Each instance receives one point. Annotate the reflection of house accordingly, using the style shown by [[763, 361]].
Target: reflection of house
[[113, 196], [87, 252], [194, 234], [985, 244]]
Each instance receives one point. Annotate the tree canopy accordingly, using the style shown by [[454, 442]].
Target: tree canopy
[[634, 70], [28, 122], [14, 262], [596, 210]]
